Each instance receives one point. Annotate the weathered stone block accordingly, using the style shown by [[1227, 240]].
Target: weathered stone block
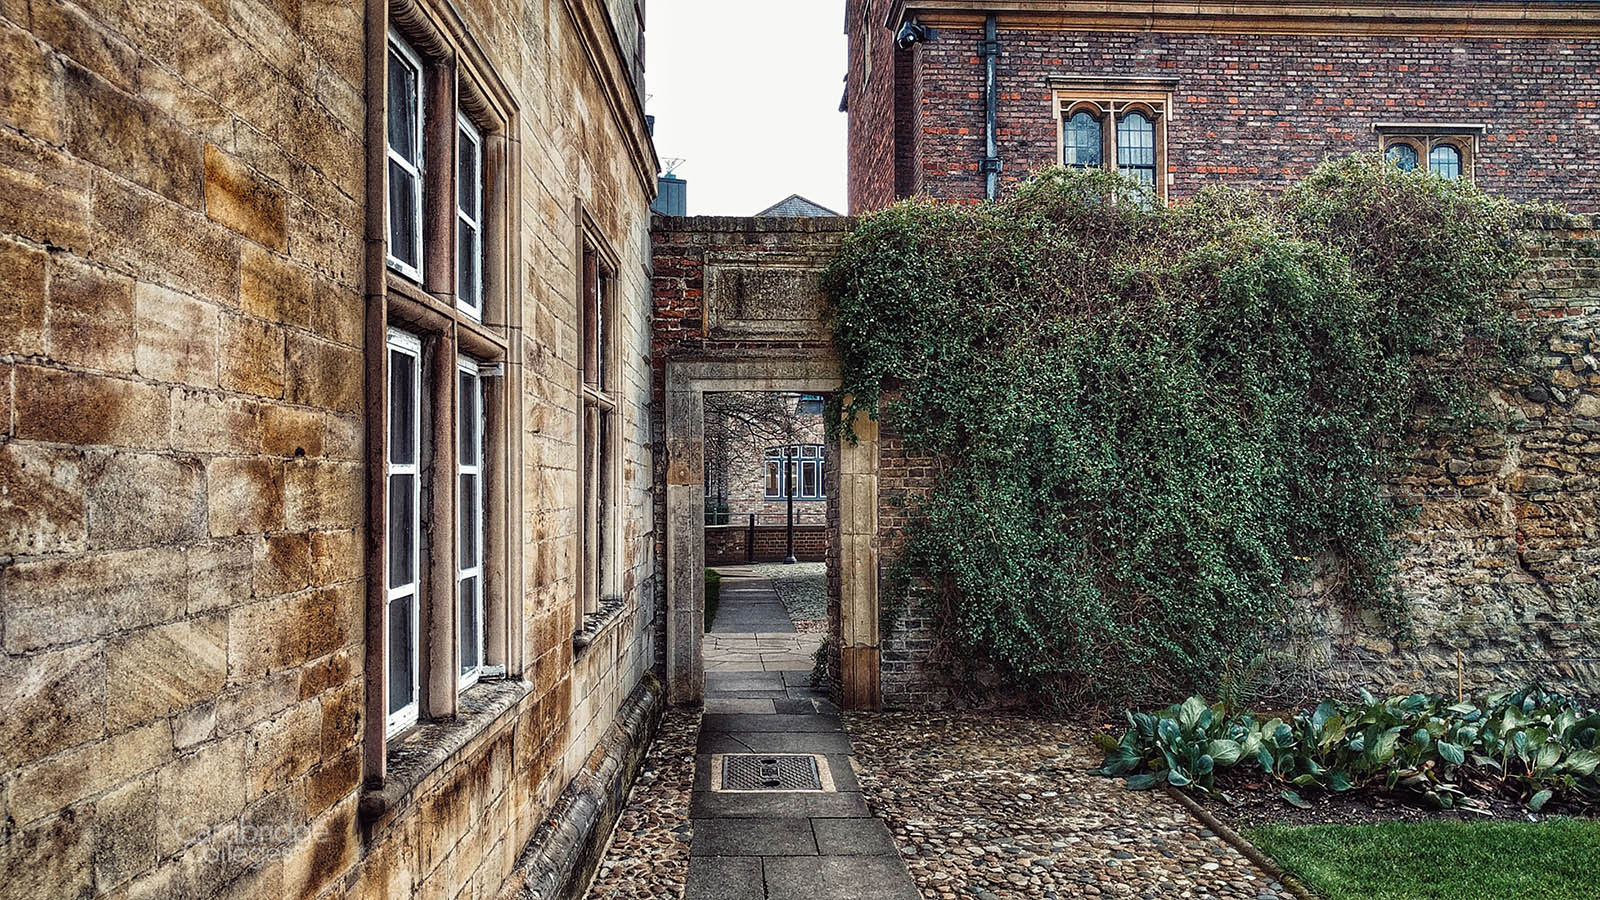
[[83, 39], [22, 290], [139, 499], [324, 375], [273, 288], [157, 670], [89, 314], [47, 193], [252, 356], [83, 409], [280, 750], [290, 432], [246, 496], [321, 494], [125, 833], [67, 778], [177, 336], [31, 94], [333, 780], [197, 791], [244, 201], [54, 858], [257, 699], [52, 701], [58, 601], [161, 241], [219, 574], [263, 637], [206, 422], [41, 500], [131, 137]]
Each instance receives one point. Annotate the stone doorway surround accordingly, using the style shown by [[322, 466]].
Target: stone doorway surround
[[687, 383]]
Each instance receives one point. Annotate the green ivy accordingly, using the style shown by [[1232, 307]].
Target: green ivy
[[1152, 420]]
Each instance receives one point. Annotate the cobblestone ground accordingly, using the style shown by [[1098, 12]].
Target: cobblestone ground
[[1004, 808], [803, 589], [649, 855]]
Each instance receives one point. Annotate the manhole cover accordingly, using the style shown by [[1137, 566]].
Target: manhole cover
[[772, 772]]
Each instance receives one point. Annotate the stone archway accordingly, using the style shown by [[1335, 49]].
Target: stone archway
[[853, 531]]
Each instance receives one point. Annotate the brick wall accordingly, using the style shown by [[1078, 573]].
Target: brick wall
[[1501, 566], [872, 126], [1250, 109], [726, 544], [182, 510]]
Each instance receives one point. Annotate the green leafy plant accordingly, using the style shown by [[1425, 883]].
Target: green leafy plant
[[1150, 420], [1531, 745]]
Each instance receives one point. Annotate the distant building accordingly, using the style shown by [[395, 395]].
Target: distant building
[[795, 206], [959, 100], [672, 196]]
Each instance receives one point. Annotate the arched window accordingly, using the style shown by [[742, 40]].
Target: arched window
[[1081, 143], [1444, 160], [1404, 156], [1136, 148]]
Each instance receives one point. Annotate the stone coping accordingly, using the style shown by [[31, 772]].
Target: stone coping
[[430, 747], [735, 224], [594, 623]]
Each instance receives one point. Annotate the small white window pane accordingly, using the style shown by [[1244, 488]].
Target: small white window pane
[[402, 655], [471, 418], [1136, 148], [404, 128], [405, 213], [402, 537], [468, 248], [469, 521], [808, 480], [402, 407], [471, 626], [1445, 161]]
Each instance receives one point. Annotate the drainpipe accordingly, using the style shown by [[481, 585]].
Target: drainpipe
[[990, 51]]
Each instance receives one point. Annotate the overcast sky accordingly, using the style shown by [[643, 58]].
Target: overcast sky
[[747, 92]]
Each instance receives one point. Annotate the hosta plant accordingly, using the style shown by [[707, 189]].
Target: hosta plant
[[1531, 745]]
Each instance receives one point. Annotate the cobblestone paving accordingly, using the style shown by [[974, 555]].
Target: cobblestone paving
[[1004, 808], [649, 855], [803, 589]]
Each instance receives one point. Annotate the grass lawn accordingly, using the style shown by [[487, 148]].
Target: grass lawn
[[1558, 859], [713, 595]]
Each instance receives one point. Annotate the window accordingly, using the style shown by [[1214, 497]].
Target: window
[[469, 218], [798, 466], [1447, 149], [405, 159], [1081, 142], [599, 435], [437, 591], [1444, 161], [1119, 126], [469, 521], [403, 471], [1404, 156]]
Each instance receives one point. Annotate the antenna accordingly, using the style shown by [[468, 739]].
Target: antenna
[[671, 163]]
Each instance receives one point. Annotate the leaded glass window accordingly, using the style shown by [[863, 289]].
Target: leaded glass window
[[1082, 144], [1136, 148]]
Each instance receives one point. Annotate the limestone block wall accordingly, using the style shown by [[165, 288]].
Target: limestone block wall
[[1500, 572], [182, 467]]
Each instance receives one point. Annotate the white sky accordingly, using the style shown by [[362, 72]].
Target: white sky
[[747, 93]]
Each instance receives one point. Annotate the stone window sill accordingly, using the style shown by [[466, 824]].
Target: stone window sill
[[428, 749], [595, 623]]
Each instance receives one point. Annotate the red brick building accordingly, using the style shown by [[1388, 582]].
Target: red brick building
[[961, 100]]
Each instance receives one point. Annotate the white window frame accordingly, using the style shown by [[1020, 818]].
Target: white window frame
[[472, 407], [411, 345], [399, 45], [802, 456], [473, 305]]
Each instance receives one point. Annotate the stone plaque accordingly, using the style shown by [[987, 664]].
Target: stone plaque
[[764, 293]]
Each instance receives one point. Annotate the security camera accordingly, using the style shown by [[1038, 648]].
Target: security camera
[[914, 33]]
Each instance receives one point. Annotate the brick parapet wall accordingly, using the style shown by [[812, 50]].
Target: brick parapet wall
[[1502, 565], [1250, 109], [726, 544]]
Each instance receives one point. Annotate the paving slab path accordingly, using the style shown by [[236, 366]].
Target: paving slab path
[[784, 845]]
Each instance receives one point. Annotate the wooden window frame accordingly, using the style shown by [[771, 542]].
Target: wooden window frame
[[458, 87], [470, 302], [599, 475], [471, 409], [792, 460], [395, 721], [1109, 101], [403, 47]]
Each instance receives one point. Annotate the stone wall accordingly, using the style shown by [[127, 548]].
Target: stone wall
[[1248, 109], [182, 468], [1502, 567]]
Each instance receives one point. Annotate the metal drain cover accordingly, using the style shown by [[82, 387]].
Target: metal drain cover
[[772, 772]]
